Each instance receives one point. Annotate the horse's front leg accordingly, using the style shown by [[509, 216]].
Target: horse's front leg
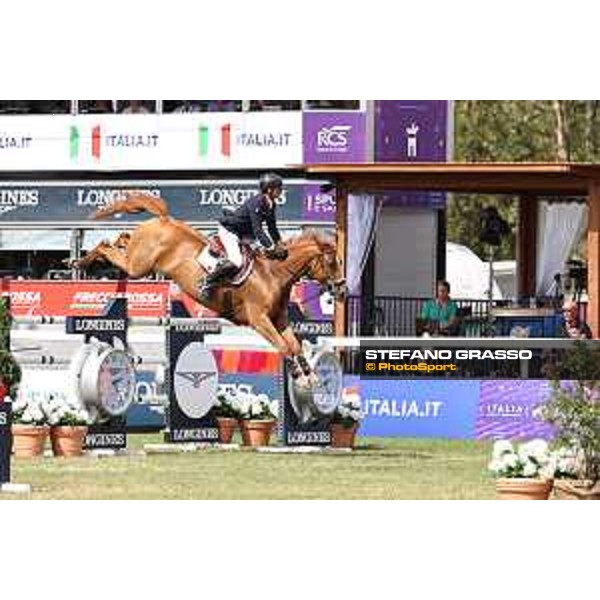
[[296, 348], [263, 326]]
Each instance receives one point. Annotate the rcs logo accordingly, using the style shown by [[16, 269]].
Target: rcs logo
[[334, 137]]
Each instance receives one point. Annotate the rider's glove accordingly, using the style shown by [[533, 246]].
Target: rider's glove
[[276, 253]]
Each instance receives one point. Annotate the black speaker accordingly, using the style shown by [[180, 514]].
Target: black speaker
[[493, 228]]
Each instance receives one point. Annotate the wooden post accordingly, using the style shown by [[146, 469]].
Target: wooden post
[[527, 245], [593, 252], [341, 221]]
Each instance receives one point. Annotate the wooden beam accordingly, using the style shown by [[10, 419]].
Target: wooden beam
[[593, 251], [341, 220], [527, 245]]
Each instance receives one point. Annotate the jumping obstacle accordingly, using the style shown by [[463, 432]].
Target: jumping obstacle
[[192, 377], [305, 414], [5, 442]]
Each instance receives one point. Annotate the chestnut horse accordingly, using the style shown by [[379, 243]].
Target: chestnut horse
[[171, 247]]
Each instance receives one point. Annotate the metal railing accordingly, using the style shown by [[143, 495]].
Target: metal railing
[[393, 316], [396, 316]]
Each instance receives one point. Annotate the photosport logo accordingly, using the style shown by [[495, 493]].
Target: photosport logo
[[335, 138], [100, 140]]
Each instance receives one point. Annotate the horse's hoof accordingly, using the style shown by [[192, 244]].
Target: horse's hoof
[[313, 379], [303, 382]]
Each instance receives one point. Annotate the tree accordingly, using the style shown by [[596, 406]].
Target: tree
[[516, 131]]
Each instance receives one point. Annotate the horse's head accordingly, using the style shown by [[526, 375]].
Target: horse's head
[[325, 267]]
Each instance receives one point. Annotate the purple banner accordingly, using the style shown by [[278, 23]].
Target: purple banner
[[507, 410], [331, 137], [308, 303], [318, 206], [412, 131], [467, 409]]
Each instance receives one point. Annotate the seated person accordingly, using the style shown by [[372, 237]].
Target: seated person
[[440, 314], [573, 327]]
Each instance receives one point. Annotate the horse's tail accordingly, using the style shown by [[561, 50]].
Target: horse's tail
[[135, 202]]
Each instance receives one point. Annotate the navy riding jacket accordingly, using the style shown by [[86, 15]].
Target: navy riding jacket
[[248, 219]]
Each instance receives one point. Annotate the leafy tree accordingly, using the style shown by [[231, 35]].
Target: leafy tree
[[516, 131]]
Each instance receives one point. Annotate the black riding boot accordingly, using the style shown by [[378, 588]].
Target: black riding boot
[[221, 274]]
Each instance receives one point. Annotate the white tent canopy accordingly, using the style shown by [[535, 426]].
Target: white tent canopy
[[467, 274]]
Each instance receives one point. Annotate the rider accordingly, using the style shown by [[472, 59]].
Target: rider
[[247, 222]]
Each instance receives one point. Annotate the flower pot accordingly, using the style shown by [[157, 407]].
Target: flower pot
[[523, 488], [68, 441], [28, 440], [343, 437], [256, 433], [571, 489], [226, 428]]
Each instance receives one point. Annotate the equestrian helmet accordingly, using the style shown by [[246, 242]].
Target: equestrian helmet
[[269, 181]]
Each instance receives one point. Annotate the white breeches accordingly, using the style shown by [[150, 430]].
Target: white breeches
[[232, 246]]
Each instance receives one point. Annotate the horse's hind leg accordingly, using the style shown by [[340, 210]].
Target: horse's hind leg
[[117, 256], [91, 257], [121, 260]]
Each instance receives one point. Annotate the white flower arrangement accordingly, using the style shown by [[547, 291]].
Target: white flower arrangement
[[569, 462], [349, 410], [247, 406], [29, 411], [531, 460], [62, 411], [53, 408]]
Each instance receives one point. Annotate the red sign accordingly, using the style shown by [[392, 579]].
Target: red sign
[[85, 298]]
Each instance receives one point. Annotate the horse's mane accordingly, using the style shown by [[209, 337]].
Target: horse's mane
[[324, 241]]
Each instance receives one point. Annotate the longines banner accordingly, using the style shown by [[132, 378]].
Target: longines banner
[[194, 202], [162, 142]]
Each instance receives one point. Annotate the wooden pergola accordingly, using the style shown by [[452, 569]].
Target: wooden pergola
[[527, 181]]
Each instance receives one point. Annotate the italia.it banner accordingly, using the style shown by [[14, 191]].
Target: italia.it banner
[[163, 142], [462, 409]]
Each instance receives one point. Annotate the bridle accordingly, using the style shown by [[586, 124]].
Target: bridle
[[336, 287]]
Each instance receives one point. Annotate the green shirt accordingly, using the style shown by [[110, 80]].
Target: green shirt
[[433, 311]]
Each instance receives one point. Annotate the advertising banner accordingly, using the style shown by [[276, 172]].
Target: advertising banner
[[162, 142], [145, 299], [318, 205], [331, 137], [251, 384], [468, 409], [412, 131], [85, 298], [509, 410], [193, 202], [417, 408]]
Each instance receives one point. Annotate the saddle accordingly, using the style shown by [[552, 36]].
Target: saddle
[[214, 252]]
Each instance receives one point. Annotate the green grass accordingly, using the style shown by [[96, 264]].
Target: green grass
[[377, 469]]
